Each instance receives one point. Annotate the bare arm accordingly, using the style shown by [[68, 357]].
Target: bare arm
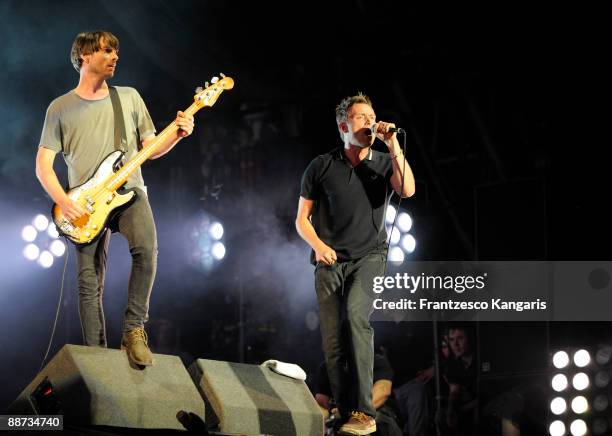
[[380, 392], [323, 401], [402, 173], [185, 124], [323, 253], [49, 181]]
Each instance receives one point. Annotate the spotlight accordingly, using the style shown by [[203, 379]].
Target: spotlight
[[408, 243], [45, 259], [31, 251], [560, 359], [29, 233], [580, 404], [206, 241], [218, 250], [559, 382], [600, 426], [558, 406], [602, 379], [216, 231], [602, 356], [404, 222], [40, 222], [390, 215], [58, 248], [580, 381], [600, 403], [43, 241], [582, 358], [557, 428], [396, 254], [578, 427], [398, 236]]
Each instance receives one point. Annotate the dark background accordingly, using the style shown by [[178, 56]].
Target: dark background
[[502, 108]]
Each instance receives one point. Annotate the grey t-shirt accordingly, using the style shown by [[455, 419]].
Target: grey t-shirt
[[83, 130]]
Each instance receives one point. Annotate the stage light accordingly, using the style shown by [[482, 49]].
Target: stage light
[[216, 231], [390, 214], [578, 427], [52, 231], [582, 358], [396, 254], [600, 426], [398, 236], [602, 357], [404, 222], [580, 381], [556, 428], [29, 233], [40, 222], [218, 250], [558, 406], [600, 403], [580, 404], [408, 243], [45, 259], [57, 248], [43, 241], [395, 236], [31, 251], [602, 379], [560, 359], [559, 382], [206, 241]]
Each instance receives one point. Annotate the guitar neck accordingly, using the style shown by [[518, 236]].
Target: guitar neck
[[121, 176]]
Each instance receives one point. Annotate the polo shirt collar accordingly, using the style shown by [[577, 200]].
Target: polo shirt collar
[[340, 154]]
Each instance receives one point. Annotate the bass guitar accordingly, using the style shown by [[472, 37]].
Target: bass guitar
[[99, 195]]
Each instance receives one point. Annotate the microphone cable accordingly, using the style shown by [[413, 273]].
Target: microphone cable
[[59, 305], [399, 203]]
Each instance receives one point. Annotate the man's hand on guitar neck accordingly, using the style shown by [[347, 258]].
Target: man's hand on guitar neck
[[185, 124]]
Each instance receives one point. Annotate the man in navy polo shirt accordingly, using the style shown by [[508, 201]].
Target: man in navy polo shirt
[[341, 215]]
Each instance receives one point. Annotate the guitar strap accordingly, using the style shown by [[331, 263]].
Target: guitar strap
[[120, 135]]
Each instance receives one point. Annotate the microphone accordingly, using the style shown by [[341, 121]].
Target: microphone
[[374, 129]]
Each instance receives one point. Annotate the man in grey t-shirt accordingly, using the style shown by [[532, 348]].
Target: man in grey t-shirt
[[80, 124]]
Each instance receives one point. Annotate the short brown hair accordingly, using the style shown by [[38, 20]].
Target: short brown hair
[[344, 106], [88, 43]]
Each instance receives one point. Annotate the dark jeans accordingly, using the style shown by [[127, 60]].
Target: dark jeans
[[136, 224], [345, 296]]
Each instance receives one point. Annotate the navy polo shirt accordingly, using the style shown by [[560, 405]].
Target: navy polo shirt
[[349, 203]]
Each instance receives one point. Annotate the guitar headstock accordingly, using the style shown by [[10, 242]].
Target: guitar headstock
[[207, 96]]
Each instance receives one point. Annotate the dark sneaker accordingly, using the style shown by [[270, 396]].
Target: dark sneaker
[[135, 342], [359, 424]]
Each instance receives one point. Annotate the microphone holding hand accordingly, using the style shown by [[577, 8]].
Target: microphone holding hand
[[385, 131]]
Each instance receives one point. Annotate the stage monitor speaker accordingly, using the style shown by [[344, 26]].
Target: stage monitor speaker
[[97, 386], [250, 399]]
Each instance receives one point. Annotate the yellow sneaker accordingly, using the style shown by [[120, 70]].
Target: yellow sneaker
[[359, 424]]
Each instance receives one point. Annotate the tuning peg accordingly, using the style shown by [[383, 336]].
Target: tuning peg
[[222, 75], [199, 89], [214, 79], [206, 84]]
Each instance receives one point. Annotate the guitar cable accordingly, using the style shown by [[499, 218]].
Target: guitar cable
[[59, 305]]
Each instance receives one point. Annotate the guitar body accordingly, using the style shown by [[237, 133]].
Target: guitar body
[[100, 202]]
